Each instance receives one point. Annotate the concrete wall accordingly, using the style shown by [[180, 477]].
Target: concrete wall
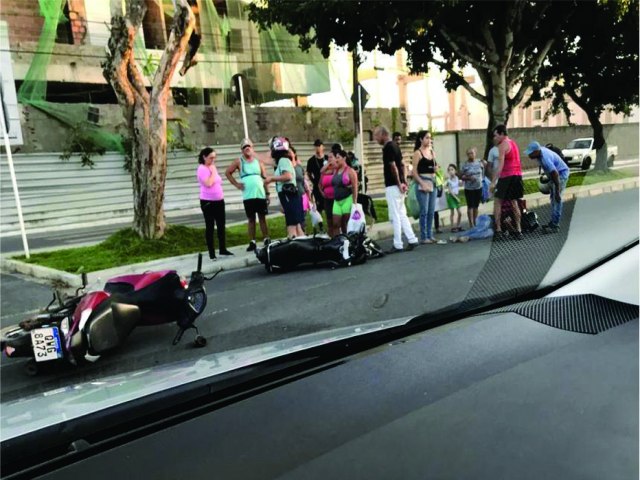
[[622, 135], [24, 20], [45, 134]]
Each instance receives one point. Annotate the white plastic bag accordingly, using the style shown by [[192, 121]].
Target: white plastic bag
[[316, 218], [357, 222]]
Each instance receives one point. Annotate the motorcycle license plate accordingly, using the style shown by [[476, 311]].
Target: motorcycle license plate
[[46, 344]]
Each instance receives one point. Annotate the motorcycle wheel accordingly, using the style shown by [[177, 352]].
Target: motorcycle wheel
[[200, 341]]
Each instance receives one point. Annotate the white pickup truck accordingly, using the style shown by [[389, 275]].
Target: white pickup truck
[[580, 152]]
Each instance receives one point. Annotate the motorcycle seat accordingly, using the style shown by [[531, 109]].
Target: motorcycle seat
[[134, 282]]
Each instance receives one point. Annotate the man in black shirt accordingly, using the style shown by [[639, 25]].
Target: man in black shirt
[[395, 189], [314, 165]]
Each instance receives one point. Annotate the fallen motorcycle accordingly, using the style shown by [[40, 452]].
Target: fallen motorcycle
[[80, 328], [343, 250]]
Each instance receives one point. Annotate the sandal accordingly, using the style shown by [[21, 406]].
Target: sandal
[[441, 242], [427, 241]]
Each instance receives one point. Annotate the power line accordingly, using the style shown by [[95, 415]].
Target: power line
[[240, 61]]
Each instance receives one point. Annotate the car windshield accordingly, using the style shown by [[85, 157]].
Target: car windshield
[[208, 185], [579, 144]]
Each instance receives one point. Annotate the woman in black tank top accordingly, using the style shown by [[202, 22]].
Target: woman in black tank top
[[424, 169]]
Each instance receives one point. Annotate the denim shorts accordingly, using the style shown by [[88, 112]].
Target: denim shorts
[[292, 206]]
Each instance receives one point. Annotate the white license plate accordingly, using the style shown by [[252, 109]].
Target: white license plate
[[46, 344]]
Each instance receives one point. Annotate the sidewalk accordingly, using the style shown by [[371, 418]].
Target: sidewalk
[[185, 264]]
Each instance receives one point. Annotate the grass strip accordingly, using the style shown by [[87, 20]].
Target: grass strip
[[124, 247]]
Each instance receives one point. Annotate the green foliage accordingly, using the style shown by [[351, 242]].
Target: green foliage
[[598, 68], [149, 65], [83, 143], [176, 139], [505, 41], [395, 114]]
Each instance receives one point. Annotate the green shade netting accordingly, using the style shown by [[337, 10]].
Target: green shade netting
[[33, 90], [275, 61]]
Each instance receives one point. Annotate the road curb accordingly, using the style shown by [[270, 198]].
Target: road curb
[[185, 264]]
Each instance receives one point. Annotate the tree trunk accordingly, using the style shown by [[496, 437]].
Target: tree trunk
[[498, 106], [149, 170], [599, 143], [144, 111]]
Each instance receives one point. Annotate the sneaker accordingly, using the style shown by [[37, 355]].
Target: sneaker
[[394, 250], [518, 236], [252, 246], [212, 257], [225, 252], [411, 246], [550, 228]]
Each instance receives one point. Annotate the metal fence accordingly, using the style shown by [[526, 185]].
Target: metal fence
[[58, 194]]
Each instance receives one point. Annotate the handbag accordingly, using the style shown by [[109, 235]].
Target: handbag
[[428, 189], [290, 189]]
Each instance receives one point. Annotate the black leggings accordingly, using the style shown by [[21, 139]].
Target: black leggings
[[436, 218], [213, 211]]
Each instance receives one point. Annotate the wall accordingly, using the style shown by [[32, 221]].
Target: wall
[[622, 135], [24, 20], [45, 134]]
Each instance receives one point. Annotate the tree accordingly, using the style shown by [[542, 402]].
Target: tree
[[145, 109], [506, 42], [598, 68]]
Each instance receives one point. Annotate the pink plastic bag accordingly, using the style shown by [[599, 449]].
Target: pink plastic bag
[[305, 202]]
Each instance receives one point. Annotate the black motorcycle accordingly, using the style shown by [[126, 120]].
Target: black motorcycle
[[319, 250]]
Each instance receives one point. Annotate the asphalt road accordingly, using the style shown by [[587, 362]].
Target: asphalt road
[[249, 307]]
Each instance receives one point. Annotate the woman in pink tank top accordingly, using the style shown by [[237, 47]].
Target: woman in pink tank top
[[212, 201]]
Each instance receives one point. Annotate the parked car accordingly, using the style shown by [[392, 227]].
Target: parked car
[[580, 152]]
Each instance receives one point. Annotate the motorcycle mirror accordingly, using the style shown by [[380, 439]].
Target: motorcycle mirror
[[199, 262], [84, 280]]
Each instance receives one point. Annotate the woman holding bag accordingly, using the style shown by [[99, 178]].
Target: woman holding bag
[[345, 192], [424, 170], [284, 178]]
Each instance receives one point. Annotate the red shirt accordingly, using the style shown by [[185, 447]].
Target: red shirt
[[512, 164]]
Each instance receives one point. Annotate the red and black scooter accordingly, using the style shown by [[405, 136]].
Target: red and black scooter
[[80, 328]]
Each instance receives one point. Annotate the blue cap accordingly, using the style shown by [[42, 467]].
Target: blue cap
[[532, 147]]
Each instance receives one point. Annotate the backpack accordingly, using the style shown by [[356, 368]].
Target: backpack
[[556, 150]]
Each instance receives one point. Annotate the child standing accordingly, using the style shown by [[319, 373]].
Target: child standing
[[453, 201]]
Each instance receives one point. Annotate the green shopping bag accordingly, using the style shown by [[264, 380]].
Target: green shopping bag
[[413, 207]]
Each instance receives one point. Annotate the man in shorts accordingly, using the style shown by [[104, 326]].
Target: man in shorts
[[507, 183], [255, 192]]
